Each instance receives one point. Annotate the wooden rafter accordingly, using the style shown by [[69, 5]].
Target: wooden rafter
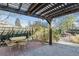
[[20, 6], [54, 6], [43, 7], [45, 10], [7, 4], [65, 11], [31, 8], [58, 11], [38, 8], [76, 9]]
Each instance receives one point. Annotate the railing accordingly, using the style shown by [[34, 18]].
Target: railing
[[73, 31], [8, 32]]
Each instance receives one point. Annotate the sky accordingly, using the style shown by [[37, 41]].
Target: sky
[[13, 16], [57, 20], [24, 19]]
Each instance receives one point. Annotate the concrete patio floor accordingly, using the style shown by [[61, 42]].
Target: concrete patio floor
[[38, 49], [55, 50]]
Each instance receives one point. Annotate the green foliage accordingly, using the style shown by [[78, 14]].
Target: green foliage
[[67, 23], [56, 34]]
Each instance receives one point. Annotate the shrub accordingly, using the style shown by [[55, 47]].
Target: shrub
[[75, 39], [56, 34]]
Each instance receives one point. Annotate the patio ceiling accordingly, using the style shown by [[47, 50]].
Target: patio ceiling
[[41, 10]]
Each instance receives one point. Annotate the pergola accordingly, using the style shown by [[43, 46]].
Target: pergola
[[46, 11]]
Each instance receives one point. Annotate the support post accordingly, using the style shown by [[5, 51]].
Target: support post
[[50, 31], [50, 34]]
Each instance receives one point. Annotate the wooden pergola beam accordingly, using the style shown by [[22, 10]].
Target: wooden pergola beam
[[49, 9], [7, 4], [20, 6], [65, 11], [43, 6], [34, 5], [38, 8], [31, 8], [60, 11]]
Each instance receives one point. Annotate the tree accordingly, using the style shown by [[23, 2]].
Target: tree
[[56, 34], [39, 30], [67, 23], [17, 23]]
